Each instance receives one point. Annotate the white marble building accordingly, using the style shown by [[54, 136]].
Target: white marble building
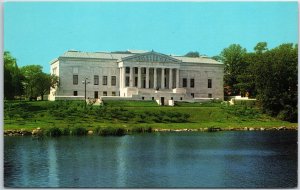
[[137, 75]]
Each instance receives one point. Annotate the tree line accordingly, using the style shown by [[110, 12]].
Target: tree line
[[269, 75], [25, 82]]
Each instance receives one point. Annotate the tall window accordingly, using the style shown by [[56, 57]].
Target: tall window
[[184, 82], [104, 82], [136, 70], [104, 93], [127, 70], [113, 80], [136, 82], [75, 79], [96, 80], [127, 81], [209, 83], [193, 95], [75, 93], [192, 83], [96, 94]]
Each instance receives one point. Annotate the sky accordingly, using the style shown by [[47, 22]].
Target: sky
[[38, 32]]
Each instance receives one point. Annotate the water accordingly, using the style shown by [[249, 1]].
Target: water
[[262, 159]]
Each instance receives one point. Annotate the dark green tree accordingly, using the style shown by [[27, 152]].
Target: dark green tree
[[192, 54], [36, 82], [233, 58], [276, 79], [12, 77]]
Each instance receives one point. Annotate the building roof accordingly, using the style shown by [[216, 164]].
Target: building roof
[[119, 55]]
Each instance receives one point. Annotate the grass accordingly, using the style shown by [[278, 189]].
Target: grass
[[70, 117]]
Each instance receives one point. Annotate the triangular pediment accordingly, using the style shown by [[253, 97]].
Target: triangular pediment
[[151, 57]]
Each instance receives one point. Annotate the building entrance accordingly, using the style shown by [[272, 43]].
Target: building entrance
[[162, 101]]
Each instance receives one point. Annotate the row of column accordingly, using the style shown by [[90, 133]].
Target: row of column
[[139, 85]]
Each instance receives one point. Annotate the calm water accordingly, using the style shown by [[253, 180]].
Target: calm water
[[187, 159]]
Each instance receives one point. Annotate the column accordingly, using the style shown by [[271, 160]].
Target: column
[[177, 78], [162, 78], [154, 79], [147, 77], [123, 77], [139, 77], [170, 78], [131, 77]]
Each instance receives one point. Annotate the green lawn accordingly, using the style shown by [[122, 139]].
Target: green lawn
[[133, 114]]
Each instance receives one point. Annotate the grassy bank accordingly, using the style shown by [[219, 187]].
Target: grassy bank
[[133, 115]]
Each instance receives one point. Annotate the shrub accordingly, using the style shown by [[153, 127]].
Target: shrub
[[79, 131], [53, 132], [142, 130], [110, 131]]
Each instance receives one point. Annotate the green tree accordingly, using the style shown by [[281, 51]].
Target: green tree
[[12, 77], [233, 58], [261, 47], [36, 82], [276, 81], [192, 54]]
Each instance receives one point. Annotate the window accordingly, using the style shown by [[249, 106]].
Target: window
[[152, 98], [113, 93], [144, 70], [127, 81], [75, 79], [136, 70], [96, 94], [96, 80], [180, 98], [171, 98], [184, 82], [104, 93], [210, 95], [136, 81], [143, 98], [193, 95], [209, 82], [127, 70], [104, 82], [75, 93], [192, 83], [113, 80]]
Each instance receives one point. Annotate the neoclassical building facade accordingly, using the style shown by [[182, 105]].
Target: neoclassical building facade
[[136, 75]]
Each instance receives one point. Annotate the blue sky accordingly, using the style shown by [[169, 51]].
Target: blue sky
[[37, 32]]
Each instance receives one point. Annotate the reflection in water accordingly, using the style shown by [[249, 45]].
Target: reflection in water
[[53, 180], [224, 159]]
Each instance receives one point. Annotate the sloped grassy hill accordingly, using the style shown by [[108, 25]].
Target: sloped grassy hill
[[133, 114]]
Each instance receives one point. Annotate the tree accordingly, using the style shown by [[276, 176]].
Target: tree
[[44, 83], [37, 83], [276, 81], [192, 54], [12, 77], [261, 47], [233, 58]]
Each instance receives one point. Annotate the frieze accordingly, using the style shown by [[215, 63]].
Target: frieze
[[153, 57]]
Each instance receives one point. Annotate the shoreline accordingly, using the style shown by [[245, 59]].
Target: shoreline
[[39, 132]]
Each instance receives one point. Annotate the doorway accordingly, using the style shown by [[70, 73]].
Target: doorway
[[162, 101]]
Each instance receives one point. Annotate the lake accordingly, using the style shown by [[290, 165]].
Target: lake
[[251, 159]]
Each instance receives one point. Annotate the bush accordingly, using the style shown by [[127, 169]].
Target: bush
[[53, 132], [110, 131], [79, 131], [142, 130]]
